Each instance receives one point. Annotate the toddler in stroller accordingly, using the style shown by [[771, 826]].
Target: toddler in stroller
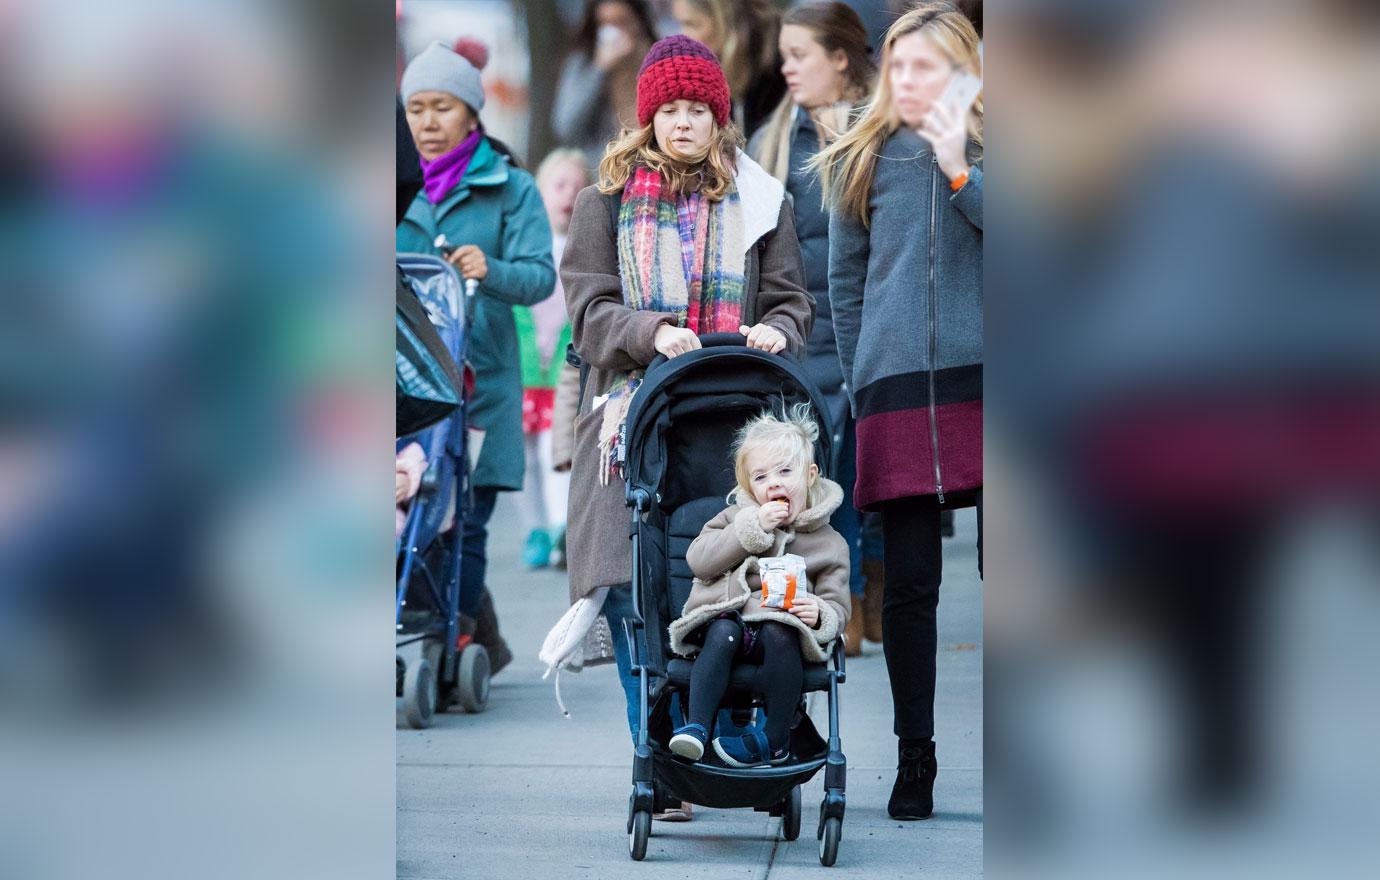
[[780, 511]]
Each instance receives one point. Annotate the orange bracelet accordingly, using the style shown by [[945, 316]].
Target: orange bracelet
[[959, 182]]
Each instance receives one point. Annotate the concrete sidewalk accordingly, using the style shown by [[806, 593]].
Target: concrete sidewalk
[[519, 792]]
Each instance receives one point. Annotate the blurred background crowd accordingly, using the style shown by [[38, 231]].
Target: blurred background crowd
[[194, 352]]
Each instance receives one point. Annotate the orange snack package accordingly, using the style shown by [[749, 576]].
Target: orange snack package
[[781, 577]]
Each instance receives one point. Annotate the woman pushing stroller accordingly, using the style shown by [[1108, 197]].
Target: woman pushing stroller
[[771, 588], [683, 235]]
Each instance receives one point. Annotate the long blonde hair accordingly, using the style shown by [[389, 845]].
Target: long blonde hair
[[710, 173], [847, 167], [836, 27]]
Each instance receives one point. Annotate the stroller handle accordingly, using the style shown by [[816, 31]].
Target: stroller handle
[[707, 340]]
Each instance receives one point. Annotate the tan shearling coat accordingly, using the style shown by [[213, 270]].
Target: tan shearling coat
[[724, 559]]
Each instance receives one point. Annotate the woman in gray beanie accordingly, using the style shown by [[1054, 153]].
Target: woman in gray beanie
[[490, 212]]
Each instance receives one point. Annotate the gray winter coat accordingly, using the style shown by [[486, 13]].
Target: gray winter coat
[[906, 296]]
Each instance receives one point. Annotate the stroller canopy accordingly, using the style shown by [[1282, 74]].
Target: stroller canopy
[[428, 344], [682, 422]]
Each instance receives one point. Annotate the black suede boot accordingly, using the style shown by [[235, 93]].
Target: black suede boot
[[912, 797], [486, 633]]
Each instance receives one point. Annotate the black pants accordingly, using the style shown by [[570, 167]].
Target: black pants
[[779, 679], [914, 564]]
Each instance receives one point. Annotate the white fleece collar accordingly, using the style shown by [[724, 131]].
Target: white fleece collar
[[760, 195]]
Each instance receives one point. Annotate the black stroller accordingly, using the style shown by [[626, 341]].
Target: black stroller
[[679, 469]]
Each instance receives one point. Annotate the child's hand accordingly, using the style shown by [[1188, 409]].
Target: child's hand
[[773, 514], [806, 607]]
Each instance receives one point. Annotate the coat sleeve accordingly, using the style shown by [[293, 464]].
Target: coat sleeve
[[727, 540], [968, 200], [831, 582], [849, 247], [526, 275], [607, 334], [578, 100], [782, 300]]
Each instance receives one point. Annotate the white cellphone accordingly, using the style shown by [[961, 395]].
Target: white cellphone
[[962, 91]]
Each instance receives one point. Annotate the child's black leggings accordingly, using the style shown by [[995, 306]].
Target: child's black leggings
[[777, 650]]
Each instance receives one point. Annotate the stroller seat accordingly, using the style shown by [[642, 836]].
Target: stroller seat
[[685, 525]]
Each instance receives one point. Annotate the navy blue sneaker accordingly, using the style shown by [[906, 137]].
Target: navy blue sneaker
[[688, 741], [749, 750]]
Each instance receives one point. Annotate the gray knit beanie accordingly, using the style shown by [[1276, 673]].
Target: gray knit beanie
[[441, 70]]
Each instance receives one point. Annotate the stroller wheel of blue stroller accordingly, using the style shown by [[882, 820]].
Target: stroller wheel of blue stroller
[[419, 694], [472, 678], [637, 838], [829, 841], [790, 817]]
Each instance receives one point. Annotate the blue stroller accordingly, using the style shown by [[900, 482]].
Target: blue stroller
[[437, 664]]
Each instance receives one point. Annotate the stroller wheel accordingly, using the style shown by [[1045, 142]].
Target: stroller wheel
[[790, 817], [637, 839], [419, 694], [829, 841], [472, 678]]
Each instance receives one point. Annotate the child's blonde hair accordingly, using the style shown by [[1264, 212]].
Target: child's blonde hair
[[790, 439], [558, 157]]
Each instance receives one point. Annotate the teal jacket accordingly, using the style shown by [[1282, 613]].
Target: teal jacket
[[497, 208]]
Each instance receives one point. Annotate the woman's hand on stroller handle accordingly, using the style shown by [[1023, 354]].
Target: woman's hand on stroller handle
[[470, 261], [764, 337], [671, 340]]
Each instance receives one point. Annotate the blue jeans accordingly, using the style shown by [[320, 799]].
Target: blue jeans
[[474, 549], [618, 604]]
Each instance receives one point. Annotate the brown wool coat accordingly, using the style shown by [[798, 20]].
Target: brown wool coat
[[615, 339], [724, 559]]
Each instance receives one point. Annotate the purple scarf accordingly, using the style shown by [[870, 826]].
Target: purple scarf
[[442, 174]]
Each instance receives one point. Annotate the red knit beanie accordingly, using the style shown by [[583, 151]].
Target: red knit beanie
[[678, 67]]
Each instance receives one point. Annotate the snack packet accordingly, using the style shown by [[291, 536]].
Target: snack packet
[[782, 578]]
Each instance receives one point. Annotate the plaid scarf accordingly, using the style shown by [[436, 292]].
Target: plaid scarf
[[682, 254]]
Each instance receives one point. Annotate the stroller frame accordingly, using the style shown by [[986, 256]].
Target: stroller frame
[[435, 660], [654, 766]]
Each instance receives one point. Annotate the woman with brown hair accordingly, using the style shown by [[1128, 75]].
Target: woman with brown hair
[[829, 72], [682, 235], [597, 93]]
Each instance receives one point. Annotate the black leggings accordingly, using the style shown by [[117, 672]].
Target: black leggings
[[913, 561], [779, 679]]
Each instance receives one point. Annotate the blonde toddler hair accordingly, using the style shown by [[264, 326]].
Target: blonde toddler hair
[[790, 439]]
